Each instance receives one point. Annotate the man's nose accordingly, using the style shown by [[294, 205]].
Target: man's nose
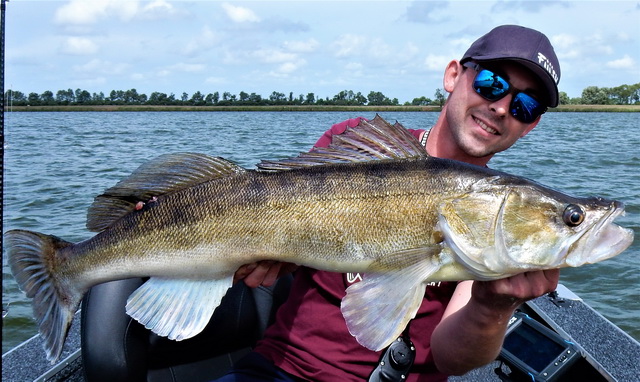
[[501, 106]]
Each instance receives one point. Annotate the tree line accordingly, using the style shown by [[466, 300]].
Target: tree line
[[132, 97], [592, 95]]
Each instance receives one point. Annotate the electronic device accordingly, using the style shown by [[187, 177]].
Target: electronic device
[[536, 351]]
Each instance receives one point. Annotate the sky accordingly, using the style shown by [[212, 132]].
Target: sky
[[399, 48]]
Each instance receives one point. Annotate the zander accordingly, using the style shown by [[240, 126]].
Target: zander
[[373, 202]]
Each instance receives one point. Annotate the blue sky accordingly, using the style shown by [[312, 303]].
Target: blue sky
[[399, 48]]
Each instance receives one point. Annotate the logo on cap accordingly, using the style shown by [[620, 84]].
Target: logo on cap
[[546, 64]]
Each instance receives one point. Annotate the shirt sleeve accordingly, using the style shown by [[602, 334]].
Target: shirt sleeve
[[338, 128]]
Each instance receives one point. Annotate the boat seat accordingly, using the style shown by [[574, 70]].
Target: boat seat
[[117, 348]]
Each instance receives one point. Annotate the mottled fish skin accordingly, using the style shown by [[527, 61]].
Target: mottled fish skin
[[373, 202]]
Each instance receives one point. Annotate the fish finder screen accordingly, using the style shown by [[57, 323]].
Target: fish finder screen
[[532, 347]]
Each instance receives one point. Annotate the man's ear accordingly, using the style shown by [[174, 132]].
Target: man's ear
[[452, 74]]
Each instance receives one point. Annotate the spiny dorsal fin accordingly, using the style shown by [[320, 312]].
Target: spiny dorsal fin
[[165, 174], [369, 140]]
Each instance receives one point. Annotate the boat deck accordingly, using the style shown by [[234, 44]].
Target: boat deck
[[606, 349]]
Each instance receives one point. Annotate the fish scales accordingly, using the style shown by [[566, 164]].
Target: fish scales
[[305, 216]]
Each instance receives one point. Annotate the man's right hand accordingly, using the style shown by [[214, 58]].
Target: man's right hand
[[264, 272]]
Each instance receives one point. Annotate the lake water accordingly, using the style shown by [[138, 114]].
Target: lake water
[[55, 163]]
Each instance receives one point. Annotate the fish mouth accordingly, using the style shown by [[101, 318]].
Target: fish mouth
[[602, 241]]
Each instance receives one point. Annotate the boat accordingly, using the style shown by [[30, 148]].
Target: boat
[[556, 337]]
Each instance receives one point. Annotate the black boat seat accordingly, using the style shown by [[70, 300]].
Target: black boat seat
[[117, 348]]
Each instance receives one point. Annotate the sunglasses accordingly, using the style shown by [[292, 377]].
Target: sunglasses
[[493, 87]]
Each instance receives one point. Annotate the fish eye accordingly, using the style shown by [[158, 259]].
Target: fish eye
[[573, 215]]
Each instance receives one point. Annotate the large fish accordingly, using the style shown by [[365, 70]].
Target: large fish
[[373, 202]]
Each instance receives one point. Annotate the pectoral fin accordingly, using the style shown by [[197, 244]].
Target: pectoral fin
[[378, 308], [178, 309]]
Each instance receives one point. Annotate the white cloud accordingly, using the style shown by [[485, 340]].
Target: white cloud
[[240, 14], [307, 46], [80, 46], [97, 66], [271, 56], [290, 67], [625, 62], [82, 12], [436, 63], [206, 40], [188, 68], [349, 44], [355, 69], [581, 47], [157, 9]]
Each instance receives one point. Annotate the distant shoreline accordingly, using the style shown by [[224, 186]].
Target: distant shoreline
[[285, 108]]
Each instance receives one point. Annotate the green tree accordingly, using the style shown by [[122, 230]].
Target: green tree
[[277, 98], [421, 101], [310, 99], [15, 97], [83, 97], [197, 99], [635, 93], [563, 98], [377, 99], [98, 98], [439, 97], [116, 97], [621, 95], [65, 97], [131, 97], [47, 98], [33, 99], [157, 98], [255, 99], [593, 95]]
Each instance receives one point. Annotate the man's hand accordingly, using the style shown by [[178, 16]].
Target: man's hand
[[262, 272], [509, 293]]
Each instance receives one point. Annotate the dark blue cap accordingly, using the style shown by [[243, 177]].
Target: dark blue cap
[[526, 46]]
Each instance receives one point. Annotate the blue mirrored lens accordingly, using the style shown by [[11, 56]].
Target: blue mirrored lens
[[526, 108], [493, 87], [490, 85]]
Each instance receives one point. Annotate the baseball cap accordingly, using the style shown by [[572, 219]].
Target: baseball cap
[[526, 46]]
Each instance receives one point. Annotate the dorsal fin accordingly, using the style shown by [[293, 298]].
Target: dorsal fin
[[162, 175], [369, 140]]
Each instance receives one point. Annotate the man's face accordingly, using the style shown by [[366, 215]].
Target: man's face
[[480, 127]]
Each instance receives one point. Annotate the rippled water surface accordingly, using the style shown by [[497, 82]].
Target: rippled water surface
[[56, 163]]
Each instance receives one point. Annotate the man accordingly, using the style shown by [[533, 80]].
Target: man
[[498, 92]]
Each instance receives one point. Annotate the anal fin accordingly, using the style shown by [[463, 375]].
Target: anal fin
[[176, 308]]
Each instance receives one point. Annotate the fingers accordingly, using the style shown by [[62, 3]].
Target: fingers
[[244, 271], [514, 290], [262, 273]]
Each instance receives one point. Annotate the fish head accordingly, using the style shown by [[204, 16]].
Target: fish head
[[507, 225]]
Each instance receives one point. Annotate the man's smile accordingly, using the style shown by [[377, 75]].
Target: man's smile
[[485, 127]]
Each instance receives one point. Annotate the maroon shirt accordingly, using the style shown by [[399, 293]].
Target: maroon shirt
[[310, 338]]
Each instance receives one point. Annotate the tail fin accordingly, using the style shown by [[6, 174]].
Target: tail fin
[[32, 256]]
